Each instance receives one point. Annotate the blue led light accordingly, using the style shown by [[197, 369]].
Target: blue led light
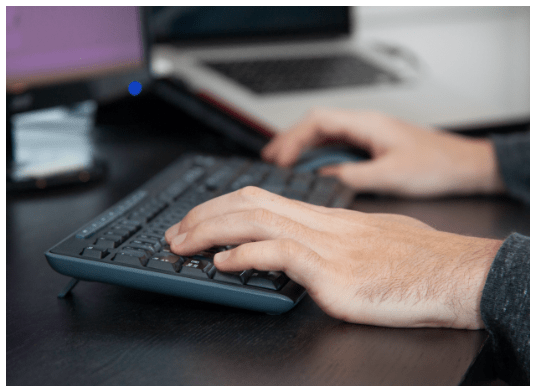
[[134, 88]]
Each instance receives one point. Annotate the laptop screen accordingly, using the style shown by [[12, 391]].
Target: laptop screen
[[184, 24]]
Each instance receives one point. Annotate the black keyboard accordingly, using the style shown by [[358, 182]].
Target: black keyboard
[[125, 245], [287, 74]]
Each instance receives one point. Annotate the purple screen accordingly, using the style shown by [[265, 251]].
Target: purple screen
[[70, 42]]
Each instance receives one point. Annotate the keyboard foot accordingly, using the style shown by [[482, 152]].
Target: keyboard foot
[[67, 289]]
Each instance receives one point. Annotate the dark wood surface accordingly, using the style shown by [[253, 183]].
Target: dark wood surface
[[107, 335]]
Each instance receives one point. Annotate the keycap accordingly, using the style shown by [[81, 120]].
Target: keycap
[[156, 242], [131, 223], [197, 269], [267, 279], [165, 262], [294, 194], [107, 243], [219, 178], [132, 258], [138, 245], [125, 229], [301, 182], [121, 234], [238, 277], [148, 241], [95, 252], [251, 177], [322, 192]]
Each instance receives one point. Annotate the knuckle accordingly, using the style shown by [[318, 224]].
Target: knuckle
[[261, 216], [288, 248], [250, 192]]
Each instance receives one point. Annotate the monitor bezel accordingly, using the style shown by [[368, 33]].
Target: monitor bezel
[[289, 35]]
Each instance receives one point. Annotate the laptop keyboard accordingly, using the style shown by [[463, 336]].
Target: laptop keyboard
[[296, 74], [125, 245]]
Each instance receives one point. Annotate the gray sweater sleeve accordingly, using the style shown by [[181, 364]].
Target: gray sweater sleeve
[[505, 310], [513, 154]]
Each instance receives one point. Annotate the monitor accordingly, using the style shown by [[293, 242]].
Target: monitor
[[57, 58], [210, 24]]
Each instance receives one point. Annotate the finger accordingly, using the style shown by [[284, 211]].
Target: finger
[[311, 221], [249, 198], [308, 133], [269, 151], [174, 230], [241, 227], [298, 262], [375, 175]]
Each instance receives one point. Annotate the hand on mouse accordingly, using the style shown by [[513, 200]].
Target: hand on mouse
[[379, 269], [406, 159]]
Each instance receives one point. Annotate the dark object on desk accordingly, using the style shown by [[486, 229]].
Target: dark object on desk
[[316, 158], [125, 244], [50, 153]]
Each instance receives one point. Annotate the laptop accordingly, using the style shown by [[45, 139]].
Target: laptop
[[229, 56]]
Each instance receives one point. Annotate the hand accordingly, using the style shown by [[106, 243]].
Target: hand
[[380, 269], [406, 159]]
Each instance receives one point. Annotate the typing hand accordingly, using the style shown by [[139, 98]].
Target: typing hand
[[380, 269], [406, 159]]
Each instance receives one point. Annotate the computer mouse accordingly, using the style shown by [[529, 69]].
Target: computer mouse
[[316, 158]]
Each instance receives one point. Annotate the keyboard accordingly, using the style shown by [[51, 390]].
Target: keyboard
[[125, 244], [287, 74]]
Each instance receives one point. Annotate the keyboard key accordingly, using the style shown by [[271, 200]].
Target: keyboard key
[[138, 245], [294, 194], [149, 241], [238, 277], [165, 262], [226, 173], [133, 258], [107, 243], [122, 235], [301, 182], [95, 252], [154, 241], [198, 269], [204, 256], [130, 222], [125, 228], [138, 217], [267, 279]]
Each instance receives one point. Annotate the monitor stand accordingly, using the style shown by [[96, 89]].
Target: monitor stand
[[50, 148]]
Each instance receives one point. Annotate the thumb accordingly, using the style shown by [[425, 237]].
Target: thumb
[[368, 176]]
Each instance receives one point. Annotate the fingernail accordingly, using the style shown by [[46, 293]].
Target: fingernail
[[221, 257], [179, 239]]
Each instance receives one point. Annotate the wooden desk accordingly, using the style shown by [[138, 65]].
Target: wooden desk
[[105, 334]]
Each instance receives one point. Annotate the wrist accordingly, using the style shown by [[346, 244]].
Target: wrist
[[485, 167], [474, 265]]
